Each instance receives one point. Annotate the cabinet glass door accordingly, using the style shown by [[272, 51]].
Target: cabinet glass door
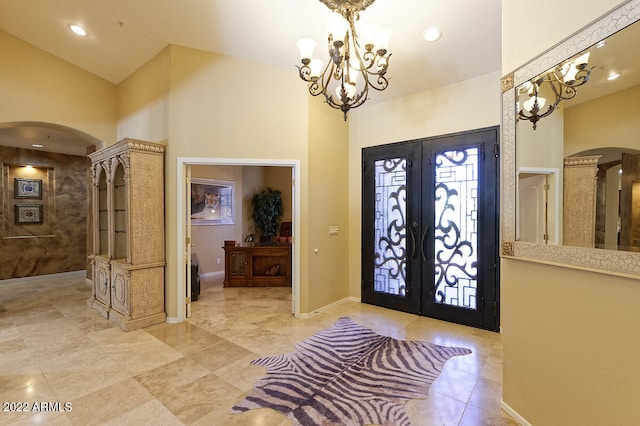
[[238, 264], [120, 213]]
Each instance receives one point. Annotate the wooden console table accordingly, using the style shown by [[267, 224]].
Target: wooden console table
[[257, 266]]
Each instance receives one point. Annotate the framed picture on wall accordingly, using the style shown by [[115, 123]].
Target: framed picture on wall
[[27, 188], [28, 214], [212, 202]]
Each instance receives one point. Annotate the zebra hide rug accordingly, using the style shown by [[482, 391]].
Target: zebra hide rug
[[348, 375]]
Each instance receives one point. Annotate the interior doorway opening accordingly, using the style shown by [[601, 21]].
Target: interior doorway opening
[[184, 173]]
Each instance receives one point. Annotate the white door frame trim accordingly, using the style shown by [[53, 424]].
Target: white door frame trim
[[555, 175], [182, 163]]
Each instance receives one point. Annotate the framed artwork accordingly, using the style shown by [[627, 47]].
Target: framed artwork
[[27, 188], [212, 202], [28, 214]]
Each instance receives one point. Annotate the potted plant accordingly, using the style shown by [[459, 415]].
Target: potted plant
[[267, 211]]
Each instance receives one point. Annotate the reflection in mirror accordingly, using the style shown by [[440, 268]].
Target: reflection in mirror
[[540, 96], [578, 172]]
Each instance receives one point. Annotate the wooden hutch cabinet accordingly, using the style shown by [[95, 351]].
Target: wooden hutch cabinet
[[257, 266], [128, 233]]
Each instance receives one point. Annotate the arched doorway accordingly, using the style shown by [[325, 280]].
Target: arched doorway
[[44, 188]]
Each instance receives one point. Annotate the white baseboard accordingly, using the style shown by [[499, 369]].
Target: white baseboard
[[329, 306], [61, 275], [513, 413], [173, 320]]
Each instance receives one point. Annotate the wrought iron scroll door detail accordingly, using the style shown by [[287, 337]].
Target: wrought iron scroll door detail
[[389, 244], [390, 251], [456, 228], [429, 236]]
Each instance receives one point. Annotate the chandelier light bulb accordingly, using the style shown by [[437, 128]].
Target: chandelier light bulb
[[337, 26], [382, 37], [316, 67], [525, 87], [306, 46], [349, 88], [570, 69], [528, 104], [368, 34]]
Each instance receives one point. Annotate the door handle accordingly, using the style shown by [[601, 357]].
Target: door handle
[[413, 245], [424, 235]]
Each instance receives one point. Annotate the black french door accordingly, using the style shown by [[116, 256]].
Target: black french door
[[430, 227]]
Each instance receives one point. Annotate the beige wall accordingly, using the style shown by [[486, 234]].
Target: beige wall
[[280, 178], [541, 148], [328, 206], [39, 87], [610, 121], [570, 352], [143, 101], [568, 355], [439, 111]]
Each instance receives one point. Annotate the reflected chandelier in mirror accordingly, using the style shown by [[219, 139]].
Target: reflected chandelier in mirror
[[561, 81]]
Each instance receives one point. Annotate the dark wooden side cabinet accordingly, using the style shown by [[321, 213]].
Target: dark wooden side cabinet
[[257, 266]]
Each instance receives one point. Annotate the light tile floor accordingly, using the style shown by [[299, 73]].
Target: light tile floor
[[53, 348]]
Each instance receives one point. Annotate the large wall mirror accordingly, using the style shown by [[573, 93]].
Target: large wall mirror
[[571, 187]]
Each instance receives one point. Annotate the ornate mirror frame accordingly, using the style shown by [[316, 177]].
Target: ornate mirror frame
[[597, 260]]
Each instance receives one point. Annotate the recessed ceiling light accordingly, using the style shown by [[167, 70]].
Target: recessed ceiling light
[[613, 76], [78, 30], [432, 34], [601, 44], [37, 145]]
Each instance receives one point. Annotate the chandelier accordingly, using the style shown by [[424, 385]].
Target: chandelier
[[351, 70], [560, 83]]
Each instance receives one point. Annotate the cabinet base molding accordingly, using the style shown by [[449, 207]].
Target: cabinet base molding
[[98, 306], [128, 324]]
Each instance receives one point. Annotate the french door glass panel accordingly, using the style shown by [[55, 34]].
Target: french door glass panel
[[456, 228], [390, 250]]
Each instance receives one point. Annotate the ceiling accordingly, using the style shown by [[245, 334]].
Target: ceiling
[[125, 34]]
